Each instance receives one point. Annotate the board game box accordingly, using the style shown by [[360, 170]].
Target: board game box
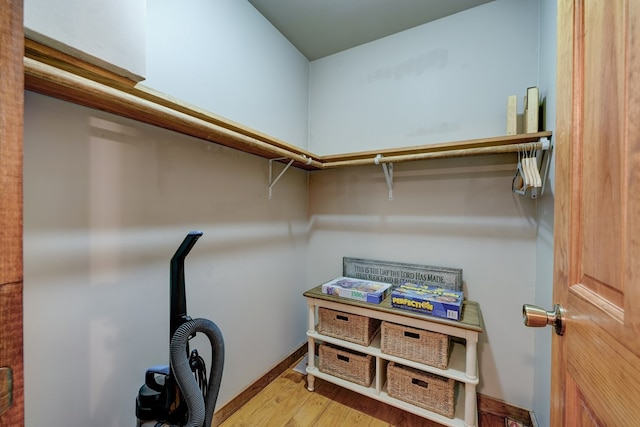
[[432, 300], [357, 289]]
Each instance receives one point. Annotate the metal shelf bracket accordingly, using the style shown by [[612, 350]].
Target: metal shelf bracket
[[387, 168], [272, 181]]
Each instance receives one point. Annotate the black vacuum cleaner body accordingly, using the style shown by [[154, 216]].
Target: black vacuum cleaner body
[[180, 394]]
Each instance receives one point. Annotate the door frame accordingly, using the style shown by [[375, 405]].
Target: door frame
[[564, 196], [11, 148]]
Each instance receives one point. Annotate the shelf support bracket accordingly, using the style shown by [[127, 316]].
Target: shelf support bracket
[[387, 168], [272, 181], [545, 162]]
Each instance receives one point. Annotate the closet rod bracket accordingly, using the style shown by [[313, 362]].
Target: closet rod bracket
[[387, 168], [272, 181]]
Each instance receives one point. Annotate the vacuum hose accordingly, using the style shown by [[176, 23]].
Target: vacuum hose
[[200, 412]]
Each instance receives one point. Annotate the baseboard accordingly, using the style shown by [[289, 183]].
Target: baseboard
[[502, 409], [237, 402]]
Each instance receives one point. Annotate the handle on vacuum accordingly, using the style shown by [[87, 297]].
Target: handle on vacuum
[[178, 295], [152, 375]]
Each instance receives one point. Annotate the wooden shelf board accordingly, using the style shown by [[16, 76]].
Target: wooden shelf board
[[57, 74], [444, 146]]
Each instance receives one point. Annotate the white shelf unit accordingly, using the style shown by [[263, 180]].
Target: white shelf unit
[[462, 367]]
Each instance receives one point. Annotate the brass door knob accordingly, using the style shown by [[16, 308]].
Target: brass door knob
[[536, 317]]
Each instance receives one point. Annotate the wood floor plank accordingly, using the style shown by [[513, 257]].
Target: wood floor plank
[[286, 402], [377, 412], [335, 413], [382, 412], [290, 403], [362, 404], [315, 405], [375, 422], [265, 403], [365, 411], [356, 418]]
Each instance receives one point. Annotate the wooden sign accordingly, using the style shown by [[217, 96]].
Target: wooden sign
[[397, 273]]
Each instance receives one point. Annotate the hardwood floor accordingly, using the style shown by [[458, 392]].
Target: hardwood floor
[[286, 402]]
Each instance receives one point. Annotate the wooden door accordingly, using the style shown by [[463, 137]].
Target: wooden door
[[596, 364], [11, 122]]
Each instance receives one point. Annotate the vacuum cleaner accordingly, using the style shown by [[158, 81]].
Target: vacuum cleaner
[[180, 394]]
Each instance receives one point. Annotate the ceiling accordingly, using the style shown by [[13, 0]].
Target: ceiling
[[319, 28]]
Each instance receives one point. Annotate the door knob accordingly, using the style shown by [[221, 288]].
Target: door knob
[[537, 317]]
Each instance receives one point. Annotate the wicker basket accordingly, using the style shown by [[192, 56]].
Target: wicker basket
[[347, 326], [430, 348], [428, 391], [346, 364]]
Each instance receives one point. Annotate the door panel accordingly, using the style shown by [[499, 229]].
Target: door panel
[[596, 364], [605, 374], [603, 120]]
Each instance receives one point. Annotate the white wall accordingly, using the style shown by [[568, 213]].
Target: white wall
[[109, 33], [222, 56], [451, 213], [544, 241], [444, 81], [225, 57], [107, 201]]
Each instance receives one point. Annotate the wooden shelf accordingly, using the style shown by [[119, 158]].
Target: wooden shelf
[[54, 73], [471, 147], [445, 146]]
